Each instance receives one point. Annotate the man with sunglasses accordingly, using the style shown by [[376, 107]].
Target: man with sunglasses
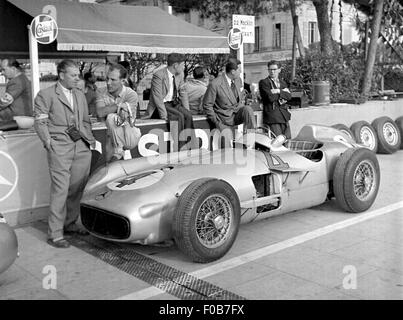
[[275, 94]]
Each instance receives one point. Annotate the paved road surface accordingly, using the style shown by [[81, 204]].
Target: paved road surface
[[318, 253]]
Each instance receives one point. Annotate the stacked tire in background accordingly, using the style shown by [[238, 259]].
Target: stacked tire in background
[[383, 135]]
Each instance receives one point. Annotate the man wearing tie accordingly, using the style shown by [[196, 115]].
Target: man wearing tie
[[274, 93], [223, 101], [168, 97], [63, 125]]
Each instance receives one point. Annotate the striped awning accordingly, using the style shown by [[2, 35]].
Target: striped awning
[[123, 28]]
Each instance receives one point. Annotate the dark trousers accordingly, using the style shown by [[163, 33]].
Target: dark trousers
[[184, 120], [245, 115], [281, 128], [180, 114]]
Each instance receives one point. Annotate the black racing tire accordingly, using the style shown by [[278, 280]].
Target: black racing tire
[[356, 179], [343, 128], [365, 134], [399, 124], [388, 133], [194, 219]]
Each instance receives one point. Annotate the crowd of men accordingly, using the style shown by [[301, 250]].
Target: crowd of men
[[62, 118]]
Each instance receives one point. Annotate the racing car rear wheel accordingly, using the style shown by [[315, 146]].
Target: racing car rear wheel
[[356, 179], [365, 134], [343, 128], [389, 138], [206, 220]]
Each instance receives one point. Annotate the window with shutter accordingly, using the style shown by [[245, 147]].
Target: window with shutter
[[257, 39], [277, 36], [261, 38], [283, 35], [312, 32]]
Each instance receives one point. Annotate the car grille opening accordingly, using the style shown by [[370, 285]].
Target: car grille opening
[[105, 223]]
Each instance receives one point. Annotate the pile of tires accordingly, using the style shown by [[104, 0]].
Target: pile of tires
[[343, 128], [383, 135]]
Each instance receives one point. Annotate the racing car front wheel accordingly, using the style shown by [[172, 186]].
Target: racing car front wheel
[[206, 221], [356, 179]]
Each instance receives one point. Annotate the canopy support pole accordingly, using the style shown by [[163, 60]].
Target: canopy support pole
[[240, 57], [34, 61]]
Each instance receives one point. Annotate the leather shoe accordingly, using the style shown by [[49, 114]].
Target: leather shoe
[[76, 230], [60, 244]]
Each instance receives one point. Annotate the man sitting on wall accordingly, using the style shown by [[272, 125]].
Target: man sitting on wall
[[224, 103], [196, 88], [169, 99], [119, 104]]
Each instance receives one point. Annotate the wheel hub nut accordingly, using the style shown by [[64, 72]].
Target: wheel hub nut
[[218, 222]]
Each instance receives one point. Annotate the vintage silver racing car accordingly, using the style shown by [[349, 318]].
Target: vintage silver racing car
[[199, 198]]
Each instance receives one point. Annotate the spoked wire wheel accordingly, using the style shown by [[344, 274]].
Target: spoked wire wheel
[[356, 179], [364, 180], [206, 219], [213, 221]]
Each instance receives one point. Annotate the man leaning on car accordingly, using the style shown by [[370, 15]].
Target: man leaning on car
[[63, 125]]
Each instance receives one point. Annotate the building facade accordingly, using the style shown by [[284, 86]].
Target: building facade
[[273, 30]]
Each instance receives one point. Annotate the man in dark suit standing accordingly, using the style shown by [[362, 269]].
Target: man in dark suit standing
[[63, 125], [168, 96], [223, 101], [274, 93]]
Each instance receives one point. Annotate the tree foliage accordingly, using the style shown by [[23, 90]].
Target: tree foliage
[[391, 22], [140, 64], [344, 71]]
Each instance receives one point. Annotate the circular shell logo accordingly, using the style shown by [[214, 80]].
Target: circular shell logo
[[235, 38], [44, 29]]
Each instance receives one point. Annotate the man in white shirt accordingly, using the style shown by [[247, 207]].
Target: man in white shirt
[[169, 99], [118, 103]]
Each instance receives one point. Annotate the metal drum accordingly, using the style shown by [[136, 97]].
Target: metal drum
[[320, 93]]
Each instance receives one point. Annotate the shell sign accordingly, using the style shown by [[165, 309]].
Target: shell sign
[[44, 29], [235, 38]]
